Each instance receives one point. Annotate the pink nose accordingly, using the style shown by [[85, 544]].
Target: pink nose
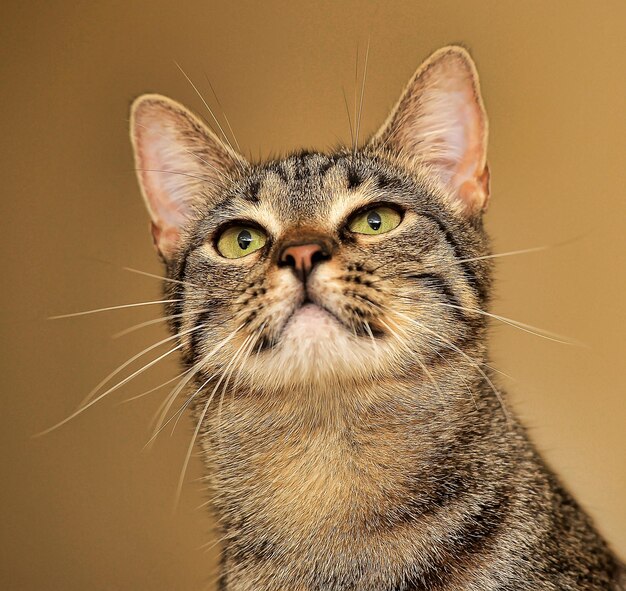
[[303, 257]]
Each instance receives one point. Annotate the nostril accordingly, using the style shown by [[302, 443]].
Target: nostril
[[319, 256], [288, 261], [303, 257]]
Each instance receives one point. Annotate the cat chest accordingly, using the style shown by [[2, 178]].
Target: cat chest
[[297, 487]]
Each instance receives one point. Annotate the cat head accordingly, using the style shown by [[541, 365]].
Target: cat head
[[324, 270]]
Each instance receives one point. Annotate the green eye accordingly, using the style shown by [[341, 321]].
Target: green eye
[[239, 241], [375, 221]]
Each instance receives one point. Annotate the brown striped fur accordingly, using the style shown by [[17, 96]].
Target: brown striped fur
[[380, 457]]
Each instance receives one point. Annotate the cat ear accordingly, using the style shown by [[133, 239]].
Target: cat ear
[[440, 122], [179, 162]]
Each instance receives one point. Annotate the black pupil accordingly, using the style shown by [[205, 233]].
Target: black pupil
[[244, 239], [374, 221]]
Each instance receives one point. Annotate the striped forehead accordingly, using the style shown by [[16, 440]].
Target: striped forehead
[[307, 189]]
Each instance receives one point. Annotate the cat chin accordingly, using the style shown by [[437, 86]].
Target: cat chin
[[315, 349], [312, 322]]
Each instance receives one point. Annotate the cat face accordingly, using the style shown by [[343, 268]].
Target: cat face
[[323, 270]]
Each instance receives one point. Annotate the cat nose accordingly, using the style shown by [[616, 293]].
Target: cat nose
[[303, 257]]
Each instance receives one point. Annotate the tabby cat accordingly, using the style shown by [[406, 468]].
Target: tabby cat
[[330, 311]]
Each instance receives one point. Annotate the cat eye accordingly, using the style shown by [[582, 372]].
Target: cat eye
[[238, 241], [377, 220]]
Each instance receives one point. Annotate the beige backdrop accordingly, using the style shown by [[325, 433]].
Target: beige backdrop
[[84, 508]]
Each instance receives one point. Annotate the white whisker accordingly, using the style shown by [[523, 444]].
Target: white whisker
[[137, 396], [419, 361], [345, 100], [223, 113], [198, 427], [230, 368], [106, 392], [208, 108], [170, 399], [356, 86], [139, 272], [501, 254], [123, 366], [358, 123], [156, 321], [467, 357], [539, 332], [108, 308]]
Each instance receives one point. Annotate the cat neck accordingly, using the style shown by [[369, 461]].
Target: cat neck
[[410, 419], [404, 455]]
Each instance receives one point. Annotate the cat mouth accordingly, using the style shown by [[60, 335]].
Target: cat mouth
[[313, 315], [312, 319]]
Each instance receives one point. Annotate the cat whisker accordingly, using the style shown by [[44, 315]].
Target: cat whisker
[[356, 85], [176, 416], [137, 396], [169, 400], [368, 329], [503, 254], [124, 365], [465, 356], [199, 426], [434, 350], [419, 361], [116, 387], [534, 330], [258, 334], [380, 308], [230, 369], [217, 99], [177, 281], [345, 100], [515, 252], [209, 110], [156, 321], [155, 276], [181, 478], [447, 361], [358, 123], [109, 308], [539, 332], [232, 361]]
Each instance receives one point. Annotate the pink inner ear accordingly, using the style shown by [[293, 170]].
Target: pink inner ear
[[179, 161], [440, 122], [450, 137], [164, 175], [470, 180], [169, 172]]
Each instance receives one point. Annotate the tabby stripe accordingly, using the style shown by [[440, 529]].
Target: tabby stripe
[[195, 336], [354, 178], [469, 273], [325, 167], [475, 535], [179, 288], [252, 193], [442, 286]]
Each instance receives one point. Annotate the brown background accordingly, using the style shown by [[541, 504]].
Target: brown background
[[84, 508]]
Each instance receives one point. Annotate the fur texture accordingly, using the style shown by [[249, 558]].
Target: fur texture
[[354, 434]]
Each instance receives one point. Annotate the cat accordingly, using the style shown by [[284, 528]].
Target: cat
[[331, 316]]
